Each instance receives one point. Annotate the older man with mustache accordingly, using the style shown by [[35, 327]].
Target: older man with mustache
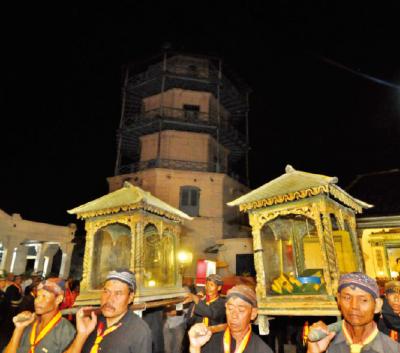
[[117, 329], [358, 300], [44, 330], [241, 309]]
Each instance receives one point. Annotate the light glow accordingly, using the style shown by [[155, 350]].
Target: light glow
[[185, 257]]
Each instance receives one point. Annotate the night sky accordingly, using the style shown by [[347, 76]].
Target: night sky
[[61, 85]]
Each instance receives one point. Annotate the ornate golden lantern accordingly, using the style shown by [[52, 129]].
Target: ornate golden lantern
[[304, 236], [133, 229]]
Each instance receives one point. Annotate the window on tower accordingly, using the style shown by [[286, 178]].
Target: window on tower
[[190, 200], [191, 111]]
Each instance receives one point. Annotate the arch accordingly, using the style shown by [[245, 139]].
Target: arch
[[111, 250], [290, 245], [270, 253], [159, 257], [334, 222]]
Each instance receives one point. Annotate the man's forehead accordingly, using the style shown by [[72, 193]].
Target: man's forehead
[[354, 290], [394, 294], [46, 293], [116, 285], [238, 302]]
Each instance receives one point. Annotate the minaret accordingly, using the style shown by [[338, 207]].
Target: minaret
[[183, 136]]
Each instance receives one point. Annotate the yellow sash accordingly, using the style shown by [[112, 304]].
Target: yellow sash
[[205, 320], [394, 335], [34, 340], [242, 345], [356, 347], [101, 334], [306, 331]]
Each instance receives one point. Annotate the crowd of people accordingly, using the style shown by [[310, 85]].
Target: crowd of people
[[208, 321]]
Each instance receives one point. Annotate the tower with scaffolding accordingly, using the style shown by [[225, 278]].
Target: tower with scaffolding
[[183, 136]]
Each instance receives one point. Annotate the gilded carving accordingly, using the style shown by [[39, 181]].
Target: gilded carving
[[320, 231], [139, 205], [340, 219], [132, 226], [87, 258], [342, 197], [302, 194], [330, 247], [288, 253], [259, 264], [292, 196], [379, 259], [265, 217]]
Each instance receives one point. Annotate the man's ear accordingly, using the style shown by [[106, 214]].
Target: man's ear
[[131, 297], [338, 300], [378, 305], [254, 313], [59, 299], [219, 288]]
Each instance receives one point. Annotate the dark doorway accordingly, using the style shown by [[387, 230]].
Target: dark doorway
[[30, 264], [245, 265], [56, 265]]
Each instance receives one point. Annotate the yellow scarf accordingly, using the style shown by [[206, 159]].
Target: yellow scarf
[[306, 331], [34, 340], [242, 346], [394, 335], [356, 347], [101, 334], [206, 320]]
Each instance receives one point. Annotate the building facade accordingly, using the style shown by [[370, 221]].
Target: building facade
[[27, 246], [183, 137]]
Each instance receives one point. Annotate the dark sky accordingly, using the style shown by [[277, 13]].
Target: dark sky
[[61, 87]]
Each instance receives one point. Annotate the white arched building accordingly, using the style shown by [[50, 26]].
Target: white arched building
[[23, 242]]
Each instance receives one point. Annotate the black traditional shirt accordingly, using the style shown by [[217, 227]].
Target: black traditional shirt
[[216, 344], [389, 320], [133, 336], [215, 312]]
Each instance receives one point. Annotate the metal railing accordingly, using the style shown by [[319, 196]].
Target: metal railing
[[172, 164], [188, 116], [184, 70], [178, 114]]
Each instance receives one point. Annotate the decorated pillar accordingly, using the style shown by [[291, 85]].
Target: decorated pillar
[[320, 231], [258, 255], [139, 252], [330, 246], [351, 220], [87, 258], [132, 226]]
